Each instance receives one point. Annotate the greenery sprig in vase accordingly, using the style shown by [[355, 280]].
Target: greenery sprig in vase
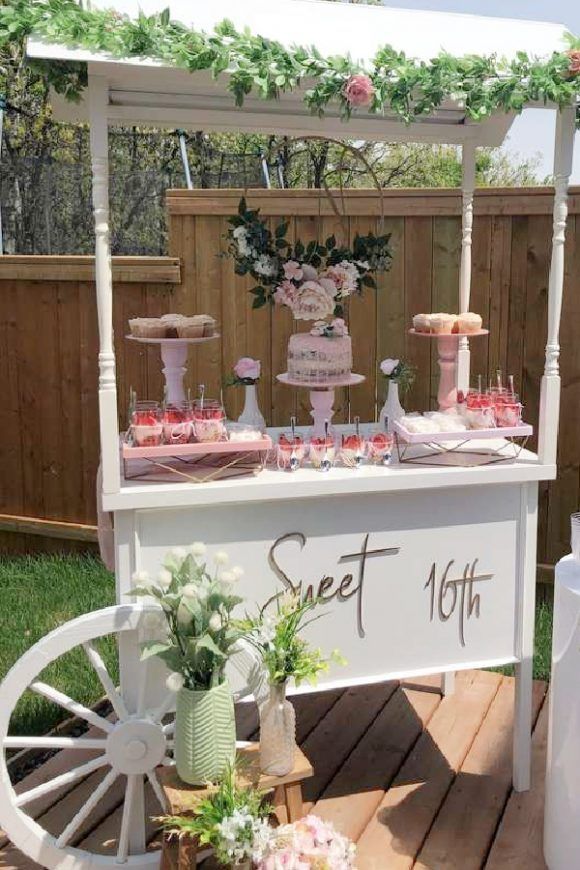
[[233, 820], [197, 603], [400, 376], [274, 633]]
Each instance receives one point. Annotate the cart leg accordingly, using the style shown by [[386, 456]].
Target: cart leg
[[448, 683], [524, 670], [523, 725]]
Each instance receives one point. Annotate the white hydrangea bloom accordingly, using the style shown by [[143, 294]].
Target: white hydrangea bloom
[[237, 572], [221, 558], [178, 553], [266, 265], [227, 578]]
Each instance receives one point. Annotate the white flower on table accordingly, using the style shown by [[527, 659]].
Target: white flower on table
[[175, 681], [238, 572], [221, 558], [388, 366], [189, 591]]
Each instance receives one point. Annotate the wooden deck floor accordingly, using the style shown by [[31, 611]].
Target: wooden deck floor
[[418, 781]]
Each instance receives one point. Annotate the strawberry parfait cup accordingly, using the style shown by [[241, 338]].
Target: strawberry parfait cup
[[508, 413], [209, 421], [291, 451], [480, 410], [322, 450], [177, 423], [146, 425], [380, 447], [352, 450]]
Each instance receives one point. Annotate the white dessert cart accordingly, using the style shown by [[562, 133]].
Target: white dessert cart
[[424, 569]]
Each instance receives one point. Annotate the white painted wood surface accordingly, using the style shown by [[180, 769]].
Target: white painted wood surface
[[98, 101], [550, 388], [468, 155]]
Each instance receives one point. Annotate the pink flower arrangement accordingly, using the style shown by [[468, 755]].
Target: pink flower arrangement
[[308, 843], [358, 91], [313, 295], [247, 370]]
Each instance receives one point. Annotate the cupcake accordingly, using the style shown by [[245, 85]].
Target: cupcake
[[171, 322], [209, 325], [147, 327], [442, 324], [422, 323], [469, 322], [191, 327]]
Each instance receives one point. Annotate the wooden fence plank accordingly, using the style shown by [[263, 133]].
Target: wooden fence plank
[[418, 279]]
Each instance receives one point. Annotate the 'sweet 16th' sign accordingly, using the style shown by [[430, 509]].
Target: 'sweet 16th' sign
[[448, 595]]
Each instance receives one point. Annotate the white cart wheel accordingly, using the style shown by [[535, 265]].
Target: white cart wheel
[[130, 744]]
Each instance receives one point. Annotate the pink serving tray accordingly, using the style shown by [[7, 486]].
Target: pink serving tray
[[195, 449], [523, 431]]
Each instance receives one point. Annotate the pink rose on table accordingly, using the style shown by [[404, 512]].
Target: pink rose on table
[[285, 293], [247, 369], [574, 55], [358, 90], [312, 302], [339, 327], [293, 270]]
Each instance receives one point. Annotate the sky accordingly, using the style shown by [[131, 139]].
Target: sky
[[532, 133]]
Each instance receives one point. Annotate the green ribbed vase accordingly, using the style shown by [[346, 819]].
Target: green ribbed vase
[[205, 734]]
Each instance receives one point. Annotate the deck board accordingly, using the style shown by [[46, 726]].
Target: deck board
[[419, 781]]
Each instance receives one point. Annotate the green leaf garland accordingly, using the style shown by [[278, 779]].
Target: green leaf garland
[[405, 87]]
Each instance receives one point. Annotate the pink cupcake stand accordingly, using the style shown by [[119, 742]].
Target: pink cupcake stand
[[447, 351]]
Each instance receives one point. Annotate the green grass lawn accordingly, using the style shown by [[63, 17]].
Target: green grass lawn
[[39, 593]]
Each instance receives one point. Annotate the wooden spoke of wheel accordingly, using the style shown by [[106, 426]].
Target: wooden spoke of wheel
[[26, 742], [158, 791], [164, 707], [113, 695], [124, 833], [58, 697], [87, 808], [64, 779]]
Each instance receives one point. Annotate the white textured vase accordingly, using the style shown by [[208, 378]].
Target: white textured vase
[[277, 733], [392, 409], [251, 415]]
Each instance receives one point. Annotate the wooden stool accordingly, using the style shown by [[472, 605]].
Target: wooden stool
[[182, 799]]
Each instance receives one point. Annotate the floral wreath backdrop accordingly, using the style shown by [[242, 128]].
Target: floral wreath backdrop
[[393, 83]]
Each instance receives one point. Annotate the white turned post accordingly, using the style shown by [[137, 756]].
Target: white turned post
[[550, 390], [109, 425], [468, 189]]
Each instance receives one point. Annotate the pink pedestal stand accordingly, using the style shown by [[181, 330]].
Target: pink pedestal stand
[[447, 347], [174, 356], [321, 397]]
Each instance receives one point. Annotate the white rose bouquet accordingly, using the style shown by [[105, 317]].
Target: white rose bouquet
[[197, 603]]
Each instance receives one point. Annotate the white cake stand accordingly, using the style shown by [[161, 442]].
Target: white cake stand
[[174, 356], [321, 396], [447, 347]]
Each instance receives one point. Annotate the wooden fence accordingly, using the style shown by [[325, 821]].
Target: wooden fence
[[48, 353]]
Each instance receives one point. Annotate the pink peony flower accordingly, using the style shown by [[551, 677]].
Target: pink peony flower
[[309, 273], [293, 270], [312, 302], [285, 293], [358, 90], [247, 368], [574, 55]]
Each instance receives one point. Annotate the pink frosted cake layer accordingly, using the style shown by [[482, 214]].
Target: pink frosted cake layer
[[315, 358]]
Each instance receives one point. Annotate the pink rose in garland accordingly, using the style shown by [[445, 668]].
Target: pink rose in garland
[[247, 370], [574, 55], [358, 91]]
